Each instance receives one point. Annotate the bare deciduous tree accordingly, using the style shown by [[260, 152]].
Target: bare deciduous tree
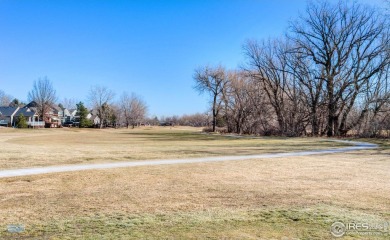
[[133, 109], [100, 98], [194, 120], [44, 95], [69, 103], [237, 101], [310, 89], [269, 66], [212, 81], [347, 45], [329, 76], [5, 99]]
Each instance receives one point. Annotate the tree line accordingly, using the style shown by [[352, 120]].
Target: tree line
[[327, 76], [129, 111]]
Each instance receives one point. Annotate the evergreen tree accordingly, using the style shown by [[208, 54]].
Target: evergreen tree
[[14, 103], [83, 112], [21, 122]]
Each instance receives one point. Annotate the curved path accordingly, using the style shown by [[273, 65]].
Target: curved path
[[70, 168]]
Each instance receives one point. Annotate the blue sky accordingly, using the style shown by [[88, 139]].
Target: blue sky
[[147, 47]]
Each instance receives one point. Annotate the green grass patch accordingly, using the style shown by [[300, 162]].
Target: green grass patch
[[299, 223]]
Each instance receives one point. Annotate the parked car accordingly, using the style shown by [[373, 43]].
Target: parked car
[[69, 124]]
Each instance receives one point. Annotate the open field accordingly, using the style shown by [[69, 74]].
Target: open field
[[45, 147], [298, 197]]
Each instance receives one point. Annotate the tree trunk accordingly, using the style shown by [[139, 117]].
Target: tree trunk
[[331, 109], [214, 112], [314, 122]]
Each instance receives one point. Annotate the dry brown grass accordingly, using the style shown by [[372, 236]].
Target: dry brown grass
[[26, 148], [295, 197], [347, 179]]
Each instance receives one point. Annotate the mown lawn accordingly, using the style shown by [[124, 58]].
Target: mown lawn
[[45, 147], [283, 198]]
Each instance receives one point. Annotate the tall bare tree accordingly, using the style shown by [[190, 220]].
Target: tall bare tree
[[5, 99], [269, 66], [237, 98], [133, 109], [69, 103], [347, 45], [213, 81], [311, 89], [100, 98], [194, 120], [44, 95]]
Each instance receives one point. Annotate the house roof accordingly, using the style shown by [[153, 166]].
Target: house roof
[[93, 117], [34, 105], [56, 107], [31, 104], [33, 109], [94, 112], [8, 111], [72, 112], [27, 112]]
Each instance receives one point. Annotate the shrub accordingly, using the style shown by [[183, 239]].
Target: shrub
[[21, 122]]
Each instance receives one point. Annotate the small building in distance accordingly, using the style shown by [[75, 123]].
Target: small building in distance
[[9, 115]]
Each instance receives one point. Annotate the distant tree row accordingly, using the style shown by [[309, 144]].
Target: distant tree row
[[130, 110], [6, 99], [328, 76], [193, 120]]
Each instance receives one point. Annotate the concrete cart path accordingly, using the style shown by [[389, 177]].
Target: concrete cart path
[[70, 168]]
